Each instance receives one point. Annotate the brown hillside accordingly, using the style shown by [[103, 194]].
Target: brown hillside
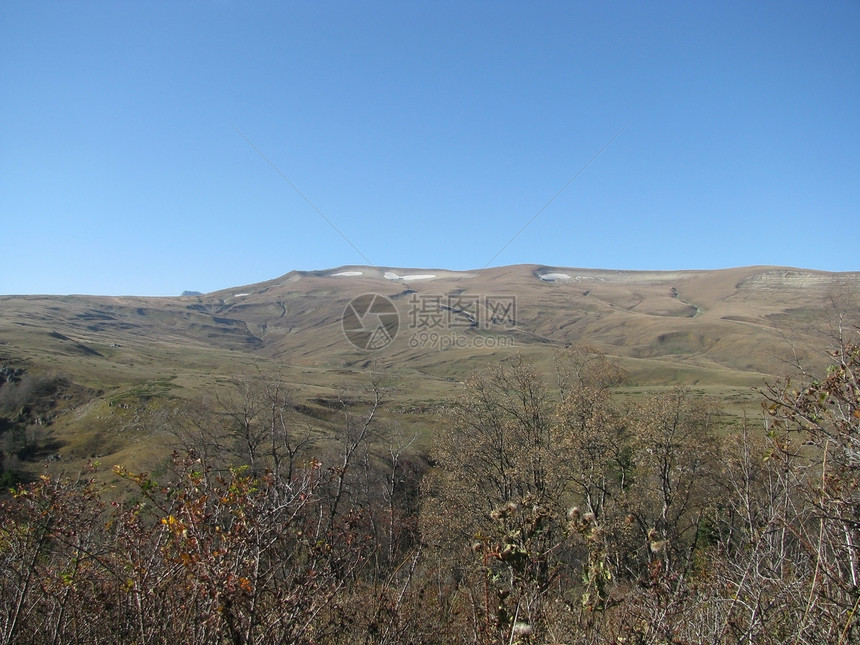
[[725, 330]]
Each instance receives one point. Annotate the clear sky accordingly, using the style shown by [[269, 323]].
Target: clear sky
[[427, 133]]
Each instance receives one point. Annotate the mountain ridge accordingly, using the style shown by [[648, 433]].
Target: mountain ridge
[[724, 331], [629, 313]]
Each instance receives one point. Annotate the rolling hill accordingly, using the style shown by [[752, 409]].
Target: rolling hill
[[725, 331]]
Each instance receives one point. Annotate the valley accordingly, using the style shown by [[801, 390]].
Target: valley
[[723, 332]]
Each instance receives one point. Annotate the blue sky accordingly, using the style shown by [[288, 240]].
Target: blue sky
[[428, 133]]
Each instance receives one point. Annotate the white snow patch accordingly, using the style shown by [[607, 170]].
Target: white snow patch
[[348, 274], [240, 295], [554, 277], [390, 275]]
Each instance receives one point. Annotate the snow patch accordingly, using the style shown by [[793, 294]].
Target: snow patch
[[390, 275], [240, 295], [554, 277], [348, 274]]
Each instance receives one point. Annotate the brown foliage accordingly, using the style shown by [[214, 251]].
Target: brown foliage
[[551, 516]]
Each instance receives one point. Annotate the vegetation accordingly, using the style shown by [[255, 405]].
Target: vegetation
[[26, 410], [547, 511]]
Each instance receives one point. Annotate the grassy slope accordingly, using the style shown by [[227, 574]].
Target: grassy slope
[[721, 331]]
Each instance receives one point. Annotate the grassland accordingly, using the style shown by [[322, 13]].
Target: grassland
[[723, 332]]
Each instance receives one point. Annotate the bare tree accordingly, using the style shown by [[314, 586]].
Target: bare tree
[[355, 435], [675, 451]]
